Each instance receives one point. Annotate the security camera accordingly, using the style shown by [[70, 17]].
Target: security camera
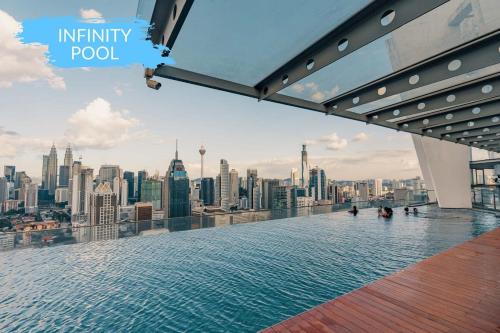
[[148, 73], [153, 84]]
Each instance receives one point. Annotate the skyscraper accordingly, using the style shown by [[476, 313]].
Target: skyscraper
[[141, 176], [103, 213], [267, 192], [176, 198], [317, 184], [107, 173], [4, 190], [294, 176], [207, 189], [30, 198], [68, 157], [64, 175], [52, 171], [377, 187], [304, 168], [251, 183], [82, 187], [45, 172], [9, 172], [129, 176], [152, 192], [234, 187], [224, 185]]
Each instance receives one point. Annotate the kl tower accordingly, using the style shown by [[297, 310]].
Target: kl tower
[[202, 153]]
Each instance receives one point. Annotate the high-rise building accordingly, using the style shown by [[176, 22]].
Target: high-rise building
[[251, 184], [363, 191], [64, 175], [45, 173], [61, 195], [207, 189], [82, 187], [103, 213], [52, 171], [20, 179], [282, 197], [129, 176], [107, 173], [68, 157], [225, 199], [9, 172], [317, 184], [267, 192], [141, 176], [30, 198], [176, 198], [304, 181], [234, 187], [377, 187], [217, 191], [4, 190], [294, 176], [152, 192], [256, 197], [124, 192]]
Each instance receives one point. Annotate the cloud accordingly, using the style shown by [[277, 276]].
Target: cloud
[[97, 126], [360, 137], [298, 88], [318, 96], [334, 142], [12, 143], [91, 15], [23, 62], [118, 91]]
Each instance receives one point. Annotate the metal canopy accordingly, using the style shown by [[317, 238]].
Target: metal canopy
[[428, 67]]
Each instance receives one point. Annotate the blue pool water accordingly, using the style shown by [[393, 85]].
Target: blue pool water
[[239, 278]]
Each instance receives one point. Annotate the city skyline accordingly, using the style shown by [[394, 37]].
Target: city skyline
[[109, 121]]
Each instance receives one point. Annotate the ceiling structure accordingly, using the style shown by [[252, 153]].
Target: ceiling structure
[[427, 67]]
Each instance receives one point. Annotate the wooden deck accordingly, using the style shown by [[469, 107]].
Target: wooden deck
[[455, 291]]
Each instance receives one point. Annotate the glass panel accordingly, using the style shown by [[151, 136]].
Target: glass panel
[[145, 9], [445, 27], [244, 41]]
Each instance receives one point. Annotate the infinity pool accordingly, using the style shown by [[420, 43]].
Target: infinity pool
[[240, 278]]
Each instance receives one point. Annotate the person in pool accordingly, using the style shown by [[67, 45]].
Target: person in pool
[[387, 212], [407, 210], [380, 211], [354, 210], [415, 211]]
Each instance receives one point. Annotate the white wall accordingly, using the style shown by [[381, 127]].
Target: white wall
[[445, 168]]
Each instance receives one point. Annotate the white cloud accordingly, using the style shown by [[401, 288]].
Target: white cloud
[[362, 136], [297, 87], [91, 15], [118, 91], [318, 96], [97, 126], [22, 62], [333, 141], [12, 143]]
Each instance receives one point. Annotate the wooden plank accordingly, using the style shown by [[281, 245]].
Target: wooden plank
[[457, 290]]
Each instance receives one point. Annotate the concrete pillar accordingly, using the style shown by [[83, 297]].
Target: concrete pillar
[[445, 168]]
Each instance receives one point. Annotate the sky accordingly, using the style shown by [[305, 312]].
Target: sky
[[109, 116]]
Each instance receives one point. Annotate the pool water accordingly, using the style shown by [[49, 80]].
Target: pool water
[[240, 278]]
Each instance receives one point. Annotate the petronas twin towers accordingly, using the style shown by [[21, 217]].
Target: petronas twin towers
[[49, 169]]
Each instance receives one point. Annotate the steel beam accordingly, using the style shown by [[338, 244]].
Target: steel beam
[[453, 116], [467, 126], [377, 19], [451, 97], [473, 55], [167, 20], [472, 133], [482, 138]]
